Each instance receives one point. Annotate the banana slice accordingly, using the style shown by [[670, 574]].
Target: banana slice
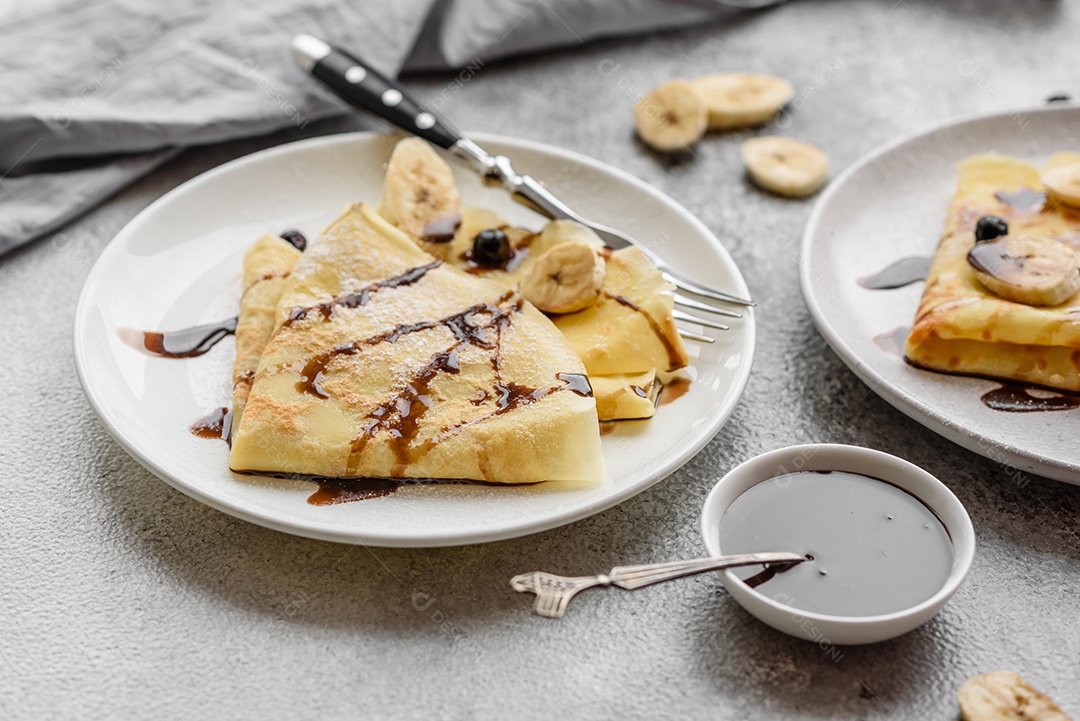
[[419, 196], [1004, 696], [785, 166], [1063, 183], [565, 279], [567, 231], [672, 117], [739, 100], [1033, 271]]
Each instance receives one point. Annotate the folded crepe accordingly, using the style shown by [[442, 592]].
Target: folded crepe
[[385, 362], [267, 265], [962, 327]]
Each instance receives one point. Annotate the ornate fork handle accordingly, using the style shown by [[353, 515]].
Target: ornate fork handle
[[553, 593]]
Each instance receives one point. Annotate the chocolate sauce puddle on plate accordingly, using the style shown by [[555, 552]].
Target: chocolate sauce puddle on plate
[[345, 490], [183, 343], [217, 424], [1014, 398], [673, 390], [893, 341], [899, 274]]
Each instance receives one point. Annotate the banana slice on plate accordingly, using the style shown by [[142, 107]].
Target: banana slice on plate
[[785, 166], [672, 117], [419, 195], [1063, 182], [1033, 271], [567, 278], [567, 231], [1004, 696], [740, 100]]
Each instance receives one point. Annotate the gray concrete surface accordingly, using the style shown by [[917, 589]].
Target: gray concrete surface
[[122, 598]]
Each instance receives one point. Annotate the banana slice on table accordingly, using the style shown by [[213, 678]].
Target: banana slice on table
[[1033, 271], [419, 195], [1004, 696], [785, 166], [1063, 183], [672, 117], [739, 100], [567, 278]]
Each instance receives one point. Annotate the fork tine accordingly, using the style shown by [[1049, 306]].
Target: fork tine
[[703, 322], [689, 285], [687, 302], [690, 335]]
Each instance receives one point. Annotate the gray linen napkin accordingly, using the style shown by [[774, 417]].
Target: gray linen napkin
[[94, 95]]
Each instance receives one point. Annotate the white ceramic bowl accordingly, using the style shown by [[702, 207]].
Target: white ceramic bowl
[[823, 629]]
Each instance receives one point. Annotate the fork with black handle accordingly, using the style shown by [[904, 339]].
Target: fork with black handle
[[361, 86]]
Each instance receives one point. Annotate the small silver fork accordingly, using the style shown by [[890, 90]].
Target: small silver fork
[[553, 593]]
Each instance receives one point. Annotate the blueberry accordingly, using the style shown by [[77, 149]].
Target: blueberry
[[491, 248], [989, 227], [295, 238]]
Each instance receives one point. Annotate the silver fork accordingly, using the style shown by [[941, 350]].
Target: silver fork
[[362, 86], [553, 593]]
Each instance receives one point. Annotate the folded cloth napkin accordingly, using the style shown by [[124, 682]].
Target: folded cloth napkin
[[97, 94]]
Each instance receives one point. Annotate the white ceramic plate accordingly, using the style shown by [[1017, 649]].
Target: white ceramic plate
[[892, 204], [178, 263]]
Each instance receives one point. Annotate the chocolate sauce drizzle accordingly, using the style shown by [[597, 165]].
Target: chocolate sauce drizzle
[[217, 424], [441, 230], [673, 390], [183, 343], [1014, 398], [903, 272], [674, 358], [361, 297], [344, 490], [1023, 199], [894, 340], [399, 417]]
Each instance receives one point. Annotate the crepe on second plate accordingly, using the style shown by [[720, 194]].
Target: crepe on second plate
[[386, 362], [960, 326]]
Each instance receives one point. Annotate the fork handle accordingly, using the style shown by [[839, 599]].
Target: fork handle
[[360, 85]]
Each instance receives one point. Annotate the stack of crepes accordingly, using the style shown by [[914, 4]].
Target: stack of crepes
[[382, 352]]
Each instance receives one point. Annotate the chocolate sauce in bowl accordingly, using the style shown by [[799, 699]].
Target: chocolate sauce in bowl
[[899, 274], [875, 548]]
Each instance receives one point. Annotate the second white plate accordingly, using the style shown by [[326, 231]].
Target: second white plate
[[892, 204], [177, 264]]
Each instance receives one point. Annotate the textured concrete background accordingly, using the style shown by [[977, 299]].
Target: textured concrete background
[[122, 598]]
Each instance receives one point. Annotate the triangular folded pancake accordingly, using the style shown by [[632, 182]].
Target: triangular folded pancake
[[387, 363], [266, 267], [961, 327]]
